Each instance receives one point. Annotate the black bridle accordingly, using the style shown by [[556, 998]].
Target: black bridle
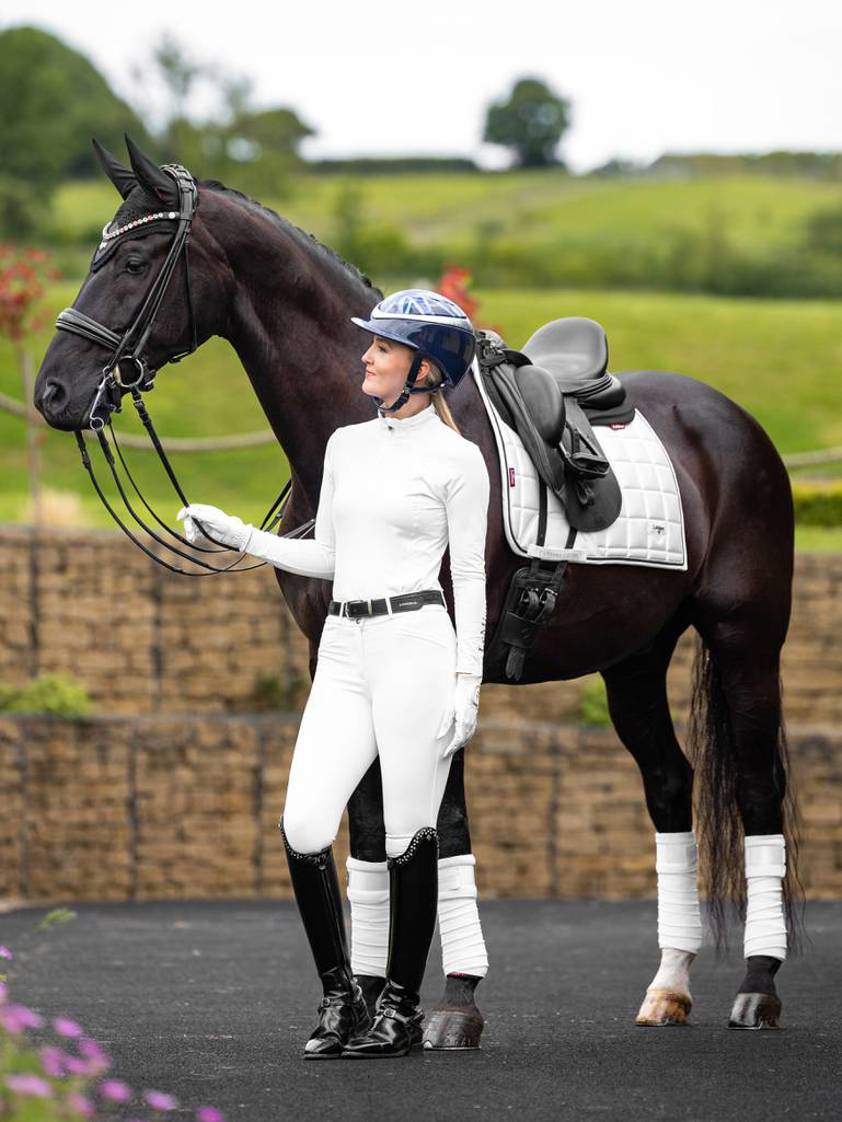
[[126, 351]]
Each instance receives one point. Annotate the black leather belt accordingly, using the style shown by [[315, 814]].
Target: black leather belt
[[406, 602]]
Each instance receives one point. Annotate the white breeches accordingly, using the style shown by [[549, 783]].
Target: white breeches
[[381, 687]]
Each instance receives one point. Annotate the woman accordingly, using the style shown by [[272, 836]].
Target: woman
[[393, 679]]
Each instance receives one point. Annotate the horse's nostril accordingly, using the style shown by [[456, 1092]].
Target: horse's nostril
[[55, 395]]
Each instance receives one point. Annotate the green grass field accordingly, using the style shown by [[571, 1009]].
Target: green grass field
[[779, 359], [537, 206]]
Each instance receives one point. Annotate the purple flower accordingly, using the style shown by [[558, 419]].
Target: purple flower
[[90, 1047], [16, 1018], [116, 1091], [159, 1100], [65, 1027], [77, 1066], [81, 1105], [6, 953], [26, 1084], [209, 1114], [52, 1060], [98, 1060]]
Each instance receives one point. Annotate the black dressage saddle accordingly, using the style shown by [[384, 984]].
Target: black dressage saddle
[[553, 393]]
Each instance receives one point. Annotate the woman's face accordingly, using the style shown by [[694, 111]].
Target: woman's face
[[386, 365]]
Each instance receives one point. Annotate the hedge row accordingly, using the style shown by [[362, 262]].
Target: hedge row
[[818, 504]]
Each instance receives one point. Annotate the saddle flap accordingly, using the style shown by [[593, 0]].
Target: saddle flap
[[594, 499]]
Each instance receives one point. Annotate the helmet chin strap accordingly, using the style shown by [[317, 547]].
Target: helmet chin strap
[[408, 388]]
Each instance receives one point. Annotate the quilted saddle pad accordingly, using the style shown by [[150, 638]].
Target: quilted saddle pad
[[650, 528]]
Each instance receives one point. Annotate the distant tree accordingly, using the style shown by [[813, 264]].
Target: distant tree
[[52, 99], [255, 150], [172, 70], [530, 121], [178, 70], [251, 149]]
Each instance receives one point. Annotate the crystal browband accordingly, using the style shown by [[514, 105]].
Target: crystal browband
[[107, 234]]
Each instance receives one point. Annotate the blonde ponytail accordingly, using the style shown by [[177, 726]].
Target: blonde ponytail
[[434, 378]]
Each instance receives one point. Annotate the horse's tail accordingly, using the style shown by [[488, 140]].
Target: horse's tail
[[719, 826]]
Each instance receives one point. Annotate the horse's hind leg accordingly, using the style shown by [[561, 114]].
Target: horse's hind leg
[[637, 698], [455, 1022], [743, 682]]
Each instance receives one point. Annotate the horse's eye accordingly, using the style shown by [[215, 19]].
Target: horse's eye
[[135, 265]]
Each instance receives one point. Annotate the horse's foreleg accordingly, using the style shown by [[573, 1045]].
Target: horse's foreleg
[[455, 1022], [637, 698]]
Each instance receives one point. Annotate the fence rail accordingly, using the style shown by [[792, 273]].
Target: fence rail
[[144, 444], [258, 439]]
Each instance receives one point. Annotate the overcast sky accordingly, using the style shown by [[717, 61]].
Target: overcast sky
[[644, 76]]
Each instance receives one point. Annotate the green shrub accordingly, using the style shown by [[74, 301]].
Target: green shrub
[[23, 211], [48, 693], [818, 504], [593, 704], [272, 693]]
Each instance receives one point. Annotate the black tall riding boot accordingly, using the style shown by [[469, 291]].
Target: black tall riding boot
[[413, 884], [342, 1012]]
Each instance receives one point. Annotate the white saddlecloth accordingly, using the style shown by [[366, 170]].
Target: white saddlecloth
[[650, 528]]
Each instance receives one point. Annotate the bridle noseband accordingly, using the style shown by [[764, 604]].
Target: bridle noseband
[[128, 349]]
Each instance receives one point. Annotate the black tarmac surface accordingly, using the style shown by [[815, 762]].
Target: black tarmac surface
[[212, 1002]]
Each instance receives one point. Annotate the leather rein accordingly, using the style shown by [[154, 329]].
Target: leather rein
[[127, 351]]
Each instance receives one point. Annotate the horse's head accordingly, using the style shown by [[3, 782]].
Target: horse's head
[[140, 306]]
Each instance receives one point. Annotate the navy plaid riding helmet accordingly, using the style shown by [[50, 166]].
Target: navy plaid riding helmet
[[433, 326]]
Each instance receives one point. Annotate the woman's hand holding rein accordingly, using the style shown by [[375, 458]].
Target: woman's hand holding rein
[[224, 528]]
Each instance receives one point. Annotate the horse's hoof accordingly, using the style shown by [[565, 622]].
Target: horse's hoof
[[756, 1011], [450, 1029], [664, 1007]]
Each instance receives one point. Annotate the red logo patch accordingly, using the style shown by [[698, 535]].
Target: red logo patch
[[511, 477], [615, 426]]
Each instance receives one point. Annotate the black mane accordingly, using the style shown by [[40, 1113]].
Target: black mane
[[290, 227]]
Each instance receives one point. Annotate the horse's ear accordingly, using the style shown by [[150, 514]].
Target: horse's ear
[[150, 176], [121, 177]]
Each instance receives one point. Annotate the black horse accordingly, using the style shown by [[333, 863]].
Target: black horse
[[283, 301]]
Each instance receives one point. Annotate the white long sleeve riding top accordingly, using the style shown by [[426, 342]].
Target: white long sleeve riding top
[[395, 492]]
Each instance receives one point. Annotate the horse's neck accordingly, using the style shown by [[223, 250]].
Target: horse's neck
[[288, 322]]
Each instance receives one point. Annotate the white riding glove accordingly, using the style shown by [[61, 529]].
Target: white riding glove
[[462, 711], [225, 528]]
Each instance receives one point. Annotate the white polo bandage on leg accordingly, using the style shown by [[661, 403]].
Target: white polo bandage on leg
[[462, 945], [368, 894], [765, 931], [679, 917]]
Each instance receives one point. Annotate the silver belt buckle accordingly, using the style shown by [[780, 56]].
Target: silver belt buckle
[[369, 606]]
